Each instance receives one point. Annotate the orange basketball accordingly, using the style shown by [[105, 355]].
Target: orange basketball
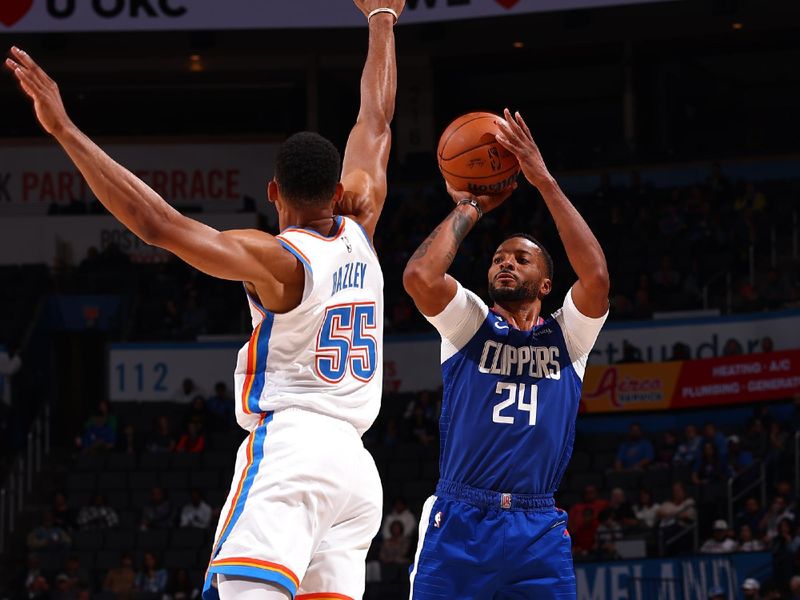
[[471, 159]]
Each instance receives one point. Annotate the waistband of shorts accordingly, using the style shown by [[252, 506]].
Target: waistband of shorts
[[298, 414], [491, 499]]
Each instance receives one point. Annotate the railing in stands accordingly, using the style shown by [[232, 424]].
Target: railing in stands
[[19, 481], [760, 481], [797, 460], [692, 528]]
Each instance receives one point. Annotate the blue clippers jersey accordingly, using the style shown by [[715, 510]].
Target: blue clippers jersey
[[510, 397]]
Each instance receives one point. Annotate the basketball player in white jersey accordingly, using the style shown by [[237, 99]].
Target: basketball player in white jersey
[[306, 499]]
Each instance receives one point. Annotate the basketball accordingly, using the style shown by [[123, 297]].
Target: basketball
[[472, 160]]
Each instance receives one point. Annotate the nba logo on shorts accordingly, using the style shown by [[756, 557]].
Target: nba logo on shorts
[[437, 520], [505, 501]]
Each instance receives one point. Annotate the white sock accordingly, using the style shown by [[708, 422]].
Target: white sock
[[240, 588]]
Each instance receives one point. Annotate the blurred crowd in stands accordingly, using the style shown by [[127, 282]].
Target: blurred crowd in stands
[[652, 494]]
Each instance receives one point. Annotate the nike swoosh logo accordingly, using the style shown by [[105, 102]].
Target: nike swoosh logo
[[557, 524]]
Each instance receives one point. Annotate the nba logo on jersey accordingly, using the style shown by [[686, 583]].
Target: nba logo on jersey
[[505, 501]]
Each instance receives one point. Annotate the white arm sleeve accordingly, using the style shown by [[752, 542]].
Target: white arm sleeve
[[580, 332], [459, 321]]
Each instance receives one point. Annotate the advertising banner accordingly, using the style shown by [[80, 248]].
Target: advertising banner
[[691, 384], [143, 15], [705, 336], [687, 578], [39, 178], [66, 240], [154, 371]]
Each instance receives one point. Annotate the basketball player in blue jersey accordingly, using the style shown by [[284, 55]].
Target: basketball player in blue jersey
[[306, 499], [512, 385]]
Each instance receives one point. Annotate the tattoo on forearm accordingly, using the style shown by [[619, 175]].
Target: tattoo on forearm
[[460, 225], [425, 246]]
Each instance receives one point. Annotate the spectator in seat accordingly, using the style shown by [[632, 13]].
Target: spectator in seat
[[128, 442], [794, 588], [778, 511], [157, 513], [717, 593], [221, 408], [784, 488], [778, 441], [709, 467], [747, 543], [756, 439], [391, 436], [119, 580], [609, 531], [646, 510], [198, 413], [666, 450], [689, 449], [196, 513], [97, 515], [738, 458], [193, 441], [635, 453], [76, 575], [181, 587], [751, 589], [38, 589], [719, 542], [63, 589], [712, 435], [751, 515], [98, 435], [783, 552], [395, 548], [584, 533], [186, 393], [591, 502], [622, 509], [63, 515], [152, 579], [162, 440], [48, 537], [421, 429], [400, 513], [679, 509]]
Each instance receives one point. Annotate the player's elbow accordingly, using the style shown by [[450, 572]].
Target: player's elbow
[[416, 280], [598, 281]]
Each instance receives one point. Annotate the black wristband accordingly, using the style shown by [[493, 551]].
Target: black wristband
[[474, 204]]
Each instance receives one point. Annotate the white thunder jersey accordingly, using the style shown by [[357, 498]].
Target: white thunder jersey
[[326, 355]]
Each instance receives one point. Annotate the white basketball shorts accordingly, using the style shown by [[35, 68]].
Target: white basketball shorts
[[304, 506]]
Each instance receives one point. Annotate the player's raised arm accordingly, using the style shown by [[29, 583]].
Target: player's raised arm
[[425, 277], [590, 293], [367, 152], [235, 255]]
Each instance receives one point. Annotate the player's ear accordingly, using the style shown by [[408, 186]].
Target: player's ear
[[545, 288], [337, 194], [272, 191]]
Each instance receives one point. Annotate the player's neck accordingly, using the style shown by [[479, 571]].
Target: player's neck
[[322, 220], [522, 315]]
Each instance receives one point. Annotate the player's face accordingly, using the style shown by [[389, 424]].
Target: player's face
[[518, 272]]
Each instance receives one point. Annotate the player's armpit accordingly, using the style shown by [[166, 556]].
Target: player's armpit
[[237, 255]]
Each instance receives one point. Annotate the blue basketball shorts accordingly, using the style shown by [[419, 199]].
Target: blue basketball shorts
[[481, 545]]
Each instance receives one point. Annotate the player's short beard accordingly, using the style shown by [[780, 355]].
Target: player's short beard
[[523, 291]]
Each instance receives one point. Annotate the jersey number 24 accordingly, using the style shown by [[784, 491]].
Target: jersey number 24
[[515, 394], [346, 342]]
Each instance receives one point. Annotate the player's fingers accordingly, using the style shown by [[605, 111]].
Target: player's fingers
[[11, 65], [22, 57], [503, 141], [512, 124], [524, 126], [508, 133]]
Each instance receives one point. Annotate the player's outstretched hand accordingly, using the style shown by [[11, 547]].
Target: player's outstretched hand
[[40, 88], [487, 203], [367, 6], [516, 137]]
